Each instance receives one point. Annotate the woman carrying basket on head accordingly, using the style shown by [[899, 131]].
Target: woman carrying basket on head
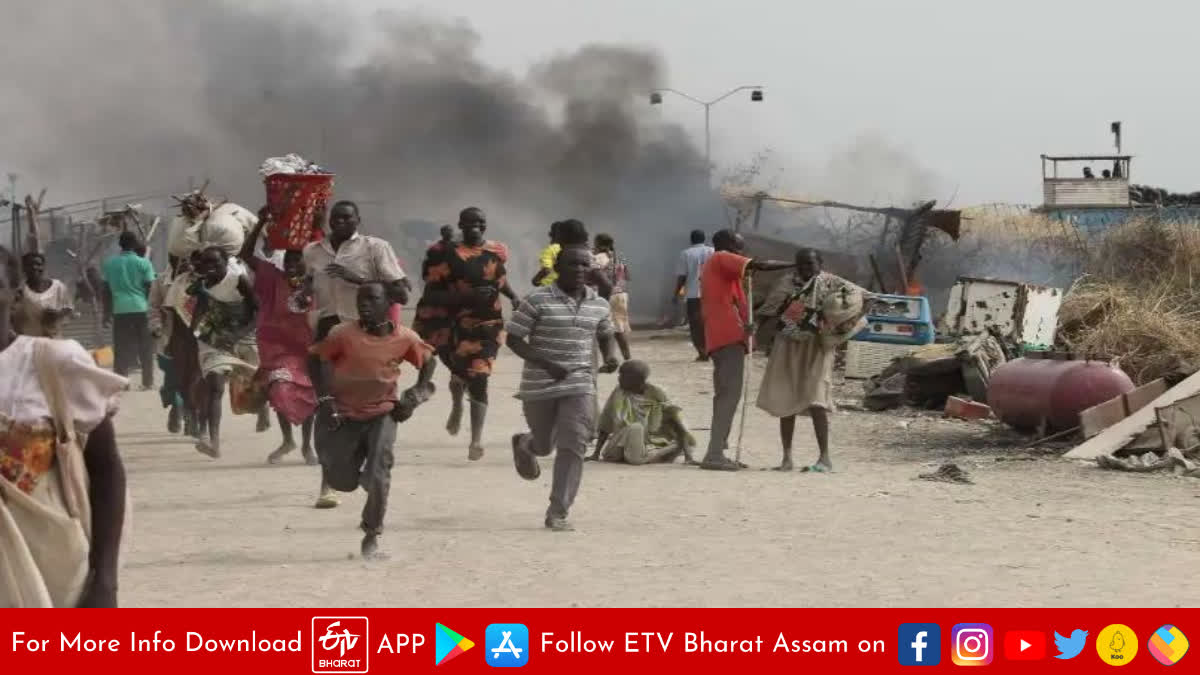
[[62, 506]]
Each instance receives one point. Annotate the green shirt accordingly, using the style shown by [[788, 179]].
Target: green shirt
[[650, 409], [128, 275]]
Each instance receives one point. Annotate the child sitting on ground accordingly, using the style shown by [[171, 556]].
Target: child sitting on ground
[[639, 424]]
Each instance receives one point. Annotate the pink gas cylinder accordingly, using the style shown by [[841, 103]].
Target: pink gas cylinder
[[1025, 392]]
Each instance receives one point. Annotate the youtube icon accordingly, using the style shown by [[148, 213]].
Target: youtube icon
[[1024, 645]]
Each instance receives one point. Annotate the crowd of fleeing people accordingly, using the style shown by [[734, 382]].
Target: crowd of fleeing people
[[315, 335]]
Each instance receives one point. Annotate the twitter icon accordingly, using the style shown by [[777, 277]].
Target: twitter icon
[[1069, 648]]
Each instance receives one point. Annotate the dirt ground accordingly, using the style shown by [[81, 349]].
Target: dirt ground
[[1032, 530]]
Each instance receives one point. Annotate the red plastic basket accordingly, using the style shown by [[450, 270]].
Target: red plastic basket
[[293, 199]]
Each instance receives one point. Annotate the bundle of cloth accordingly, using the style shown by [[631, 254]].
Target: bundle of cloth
[[203, 223]]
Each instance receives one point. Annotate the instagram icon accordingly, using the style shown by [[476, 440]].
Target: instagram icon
[[971, 644]]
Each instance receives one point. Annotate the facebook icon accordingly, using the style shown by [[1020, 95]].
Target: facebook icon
[[919, 644]]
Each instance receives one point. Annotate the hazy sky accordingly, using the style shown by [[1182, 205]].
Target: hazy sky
[[972, 91]]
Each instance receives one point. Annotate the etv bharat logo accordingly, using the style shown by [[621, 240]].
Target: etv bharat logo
[[340, 644]]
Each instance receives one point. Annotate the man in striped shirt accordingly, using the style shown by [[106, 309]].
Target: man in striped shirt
[[553, 331]]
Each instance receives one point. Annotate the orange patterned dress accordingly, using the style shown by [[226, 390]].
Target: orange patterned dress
[[467, 337]]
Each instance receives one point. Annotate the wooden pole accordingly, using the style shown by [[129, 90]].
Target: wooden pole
[[16, 229], [903, 271], [878, 275]]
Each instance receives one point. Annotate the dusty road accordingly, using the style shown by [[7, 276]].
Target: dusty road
[[236, 532]]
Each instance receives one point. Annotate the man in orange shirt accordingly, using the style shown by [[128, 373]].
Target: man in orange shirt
[[359, 408], [727, 328]]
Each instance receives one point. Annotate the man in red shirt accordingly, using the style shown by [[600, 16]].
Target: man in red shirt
[[727, 328], [359, 409]]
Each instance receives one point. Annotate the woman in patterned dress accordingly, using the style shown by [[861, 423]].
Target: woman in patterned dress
[[460, 315], [816, 312]]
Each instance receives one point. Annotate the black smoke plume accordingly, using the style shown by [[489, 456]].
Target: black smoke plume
[[134, 95]]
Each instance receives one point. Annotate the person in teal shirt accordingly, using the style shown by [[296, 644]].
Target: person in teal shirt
[[127, 278]]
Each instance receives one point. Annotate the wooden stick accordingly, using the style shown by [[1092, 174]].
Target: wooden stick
[[1052, 437], [903, 272], [749, 370]]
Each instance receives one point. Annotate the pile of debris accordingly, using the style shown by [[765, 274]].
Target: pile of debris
[[930, 376], [1149, 429]]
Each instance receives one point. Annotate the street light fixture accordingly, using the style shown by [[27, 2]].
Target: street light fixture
[[756, 95]]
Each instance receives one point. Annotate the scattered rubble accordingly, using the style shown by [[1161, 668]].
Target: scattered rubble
[[1174, 460], [928, 376]]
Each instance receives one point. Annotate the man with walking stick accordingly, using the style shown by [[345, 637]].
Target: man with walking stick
[[727, 331]]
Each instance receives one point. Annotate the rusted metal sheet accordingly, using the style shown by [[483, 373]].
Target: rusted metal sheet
[[1025, 313], [1085, 192]]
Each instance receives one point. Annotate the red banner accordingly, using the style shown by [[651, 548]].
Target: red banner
[[612, 641]]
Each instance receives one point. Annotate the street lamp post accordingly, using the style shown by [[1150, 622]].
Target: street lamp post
[[756, 95]]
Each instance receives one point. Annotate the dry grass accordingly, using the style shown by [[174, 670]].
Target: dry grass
[[1139, 302]]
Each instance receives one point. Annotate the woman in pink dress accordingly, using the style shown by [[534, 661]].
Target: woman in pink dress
[[284, 336]]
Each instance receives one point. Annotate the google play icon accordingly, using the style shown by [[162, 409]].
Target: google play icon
[[449, 644]]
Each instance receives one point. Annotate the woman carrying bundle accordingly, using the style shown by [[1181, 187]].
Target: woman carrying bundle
[[817, 311], [62, 499]]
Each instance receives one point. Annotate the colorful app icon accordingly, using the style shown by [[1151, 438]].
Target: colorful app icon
[[971, 644], [1117, 644], [1024, 645], [506, 645], [1168, 644], [449, 644], [1070, 647], [919, 644]]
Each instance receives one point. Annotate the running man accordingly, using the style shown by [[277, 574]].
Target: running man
[[554, 331]]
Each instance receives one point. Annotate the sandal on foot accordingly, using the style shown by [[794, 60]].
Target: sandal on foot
[[524, 461]]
